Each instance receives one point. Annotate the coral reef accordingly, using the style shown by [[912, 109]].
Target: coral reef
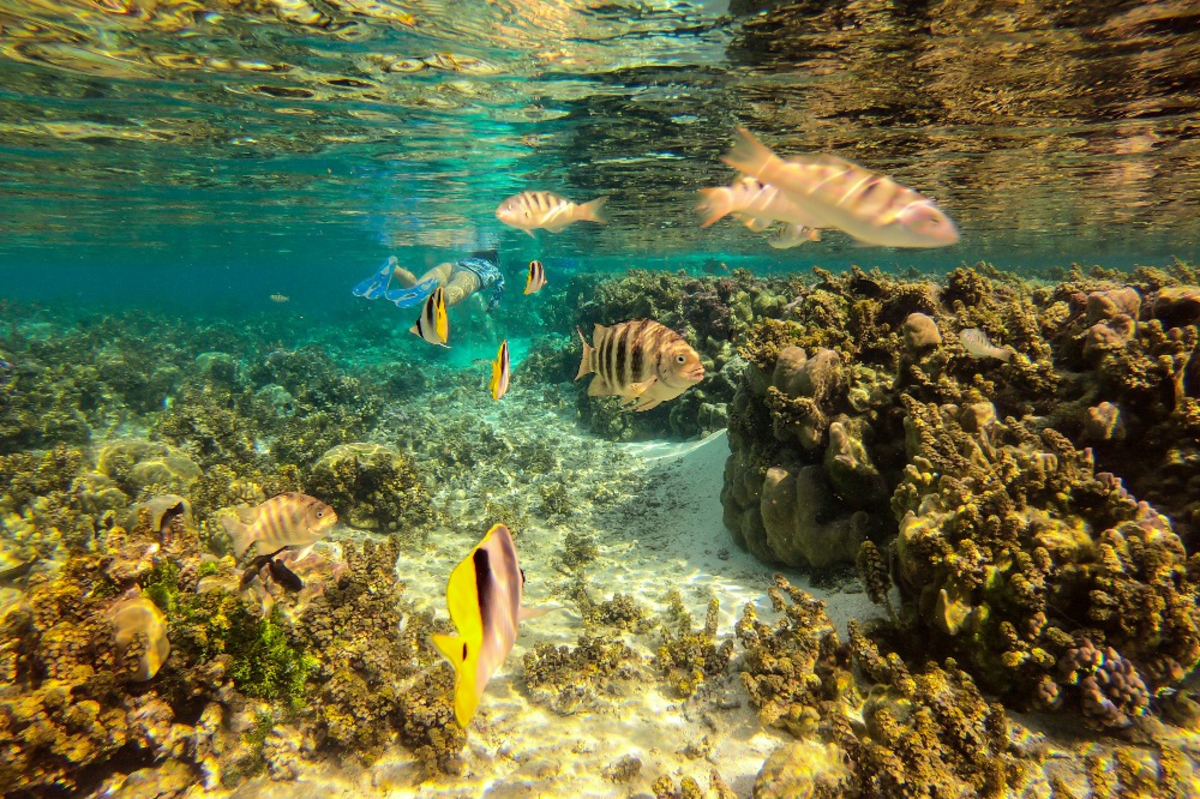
[[928, 734], [1041, 576], [372, 486]]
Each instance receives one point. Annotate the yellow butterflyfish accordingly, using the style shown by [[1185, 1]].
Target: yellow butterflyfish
[[484, 597]]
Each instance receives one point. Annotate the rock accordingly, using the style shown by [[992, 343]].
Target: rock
[[799, 770], [788, 368], [855, 480], [821, 376], [1104, 422]]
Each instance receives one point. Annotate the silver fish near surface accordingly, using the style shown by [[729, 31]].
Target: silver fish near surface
[[138, 615], [531, 210], [840, 194], [978, 345], [641, 361], [790, 236], [758, 204], [291, 519]]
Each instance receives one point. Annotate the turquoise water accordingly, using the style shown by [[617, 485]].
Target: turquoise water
[[190, 189], [278, 149]]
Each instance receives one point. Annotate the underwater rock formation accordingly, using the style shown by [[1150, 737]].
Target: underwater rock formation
[[1043, 577], [371, 486]]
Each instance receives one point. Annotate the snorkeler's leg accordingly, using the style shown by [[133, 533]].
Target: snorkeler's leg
[[463, 284], [404, 277], [417, 290]]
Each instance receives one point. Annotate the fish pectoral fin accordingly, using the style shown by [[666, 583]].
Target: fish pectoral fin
[[646, 403], [533, 613], [635, 390]]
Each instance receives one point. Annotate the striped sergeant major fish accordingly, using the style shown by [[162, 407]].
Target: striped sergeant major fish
[[433, 325], [137, 615], [536, 279], [484, 597], [530, 210], [286, 520], [500, 372], [641, 361], [840, 194]]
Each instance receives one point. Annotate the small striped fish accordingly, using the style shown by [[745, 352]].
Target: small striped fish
[[287, 520], [869, 206], [536, 279], [756, 203], [792, 236], [530, 210], [978, 345], [138, 615], [433, 325], [500, 371], [641, 361]]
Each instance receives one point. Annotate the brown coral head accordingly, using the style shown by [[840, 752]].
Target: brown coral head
[[1108, 304], [1104, 422], [920, 332]]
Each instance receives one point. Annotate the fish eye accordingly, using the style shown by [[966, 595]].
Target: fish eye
[[680, 359], [320, 513]]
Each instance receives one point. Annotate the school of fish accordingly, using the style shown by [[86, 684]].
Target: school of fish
[[641, 361]]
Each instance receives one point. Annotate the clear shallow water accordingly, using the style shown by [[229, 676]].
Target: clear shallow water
[[298, 144], [198, 158]]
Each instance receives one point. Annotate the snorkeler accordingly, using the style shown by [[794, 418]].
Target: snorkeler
[[461, 279]]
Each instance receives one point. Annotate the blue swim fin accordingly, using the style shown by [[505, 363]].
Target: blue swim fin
[[376, 285], [407, 298]]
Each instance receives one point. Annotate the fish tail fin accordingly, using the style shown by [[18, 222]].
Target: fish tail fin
[[239, 535], [456, 650], [585, 365], [714, 204], [594, 211], [748, 154]]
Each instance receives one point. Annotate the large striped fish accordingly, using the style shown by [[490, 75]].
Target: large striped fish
[[484, 596], [530, 210], [641, 361], [286, 520], [138, 615], [433, 325], [756, 203], [836, 193]]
